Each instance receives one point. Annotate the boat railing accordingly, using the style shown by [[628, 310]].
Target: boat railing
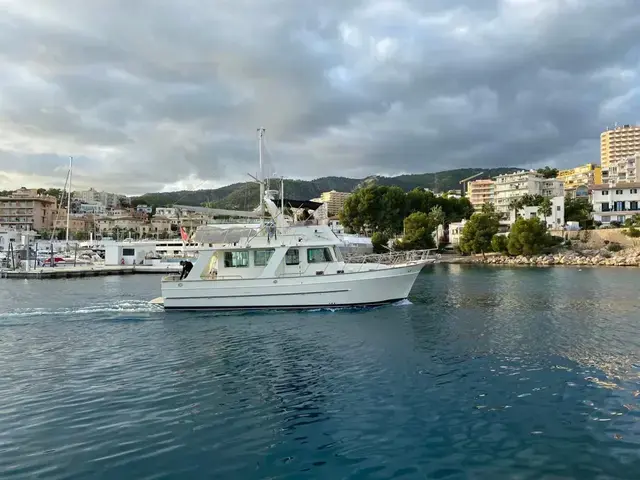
[[392, 257]]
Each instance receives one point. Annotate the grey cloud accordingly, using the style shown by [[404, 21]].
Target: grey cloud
[[152, 92]]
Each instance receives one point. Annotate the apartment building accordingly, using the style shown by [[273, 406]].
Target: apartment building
[[619, 143], [77, 223], [588, 174], [623, 170], [615, 202], [168, 212], [334, 200], [481, 192], [512, 186], [109, 200], [25, 209]]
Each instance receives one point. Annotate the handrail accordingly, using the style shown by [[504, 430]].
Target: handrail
[[389, 258]]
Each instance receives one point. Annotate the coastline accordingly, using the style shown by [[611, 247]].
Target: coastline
[[629, 257]]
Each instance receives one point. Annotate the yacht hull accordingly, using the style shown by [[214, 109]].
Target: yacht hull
[[356, 289]]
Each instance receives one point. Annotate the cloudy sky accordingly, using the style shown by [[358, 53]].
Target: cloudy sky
[[152, 95]]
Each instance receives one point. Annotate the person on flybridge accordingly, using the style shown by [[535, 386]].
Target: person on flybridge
[[186, 268]]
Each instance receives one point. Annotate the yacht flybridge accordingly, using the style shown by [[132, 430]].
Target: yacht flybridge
[[279, 264]]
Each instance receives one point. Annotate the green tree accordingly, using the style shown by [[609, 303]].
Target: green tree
[[380, 241], [528, 237], [478, 232], [545, 209], [418, 232], [81, 236], [499, 243], [577, 210], [393, 209], [54, 192], [548, 172]]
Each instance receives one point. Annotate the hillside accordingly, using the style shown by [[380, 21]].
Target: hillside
[[241, 196]]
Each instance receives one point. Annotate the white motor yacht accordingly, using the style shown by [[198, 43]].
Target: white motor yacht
[[281, 265]]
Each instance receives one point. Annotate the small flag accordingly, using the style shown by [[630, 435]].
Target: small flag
[[183, 234]]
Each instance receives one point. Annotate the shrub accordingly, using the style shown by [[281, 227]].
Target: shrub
[[615, 224], [379, 241], [499, 243], [632, 232], [614, 247]]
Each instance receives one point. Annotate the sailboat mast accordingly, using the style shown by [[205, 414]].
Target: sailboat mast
[[69, 196], [261, 174]]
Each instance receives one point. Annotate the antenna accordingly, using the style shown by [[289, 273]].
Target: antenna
[[261, 173]]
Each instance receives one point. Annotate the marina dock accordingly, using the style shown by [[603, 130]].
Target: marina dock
[[87, 271]]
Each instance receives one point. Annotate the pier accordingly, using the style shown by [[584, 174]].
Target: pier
[[87, 271]]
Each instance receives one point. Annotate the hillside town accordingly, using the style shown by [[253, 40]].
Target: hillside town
[[610, 188]]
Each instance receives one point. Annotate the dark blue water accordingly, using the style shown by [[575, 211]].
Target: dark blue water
[[487, 374]]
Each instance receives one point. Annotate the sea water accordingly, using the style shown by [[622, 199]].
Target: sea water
[[485, 373]]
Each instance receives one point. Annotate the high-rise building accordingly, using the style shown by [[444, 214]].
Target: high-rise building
[[619, 143], [513, 186], [25, 209], [481, 192], [334, 200]]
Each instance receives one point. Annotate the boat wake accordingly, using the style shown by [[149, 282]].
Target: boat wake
[[125, 306]]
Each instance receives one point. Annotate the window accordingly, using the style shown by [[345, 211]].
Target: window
[[605, 207], [261, 257], [605, 192], [634, 190], [128, 252], [318, 255], [633, 205], [236, 259], [618, 192], [558, 208], [292, 257]]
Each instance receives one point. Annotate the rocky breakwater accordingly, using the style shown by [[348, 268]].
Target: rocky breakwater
[[623, 258]]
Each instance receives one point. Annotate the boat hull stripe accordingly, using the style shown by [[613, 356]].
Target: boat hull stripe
[[289, 307], [284, 294]]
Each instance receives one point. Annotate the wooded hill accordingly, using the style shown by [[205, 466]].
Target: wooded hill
[[243, 196]]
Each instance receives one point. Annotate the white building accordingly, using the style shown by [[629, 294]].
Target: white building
[[109, 200], [144, 209], [620, 171], [615, 203], [455, 232], [167, 212], [555, 220], [512, 186], [94, 208], [127, 253]]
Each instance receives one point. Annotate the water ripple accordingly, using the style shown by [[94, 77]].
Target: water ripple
[[485, 373]]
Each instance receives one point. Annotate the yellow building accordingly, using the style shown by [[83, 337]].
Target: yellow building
[[589, 174], [619, 143], [480, 192], [334, 200]]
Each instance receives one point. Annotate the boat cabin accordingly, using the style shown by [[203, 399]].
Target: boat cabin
[[258, 262]]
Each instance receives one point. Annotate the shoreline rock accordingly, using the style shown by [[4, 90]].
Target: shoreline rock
[[629, 257]]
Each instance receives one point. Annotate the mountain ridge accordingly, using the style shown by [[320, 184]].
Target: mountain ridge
[[244, 195]]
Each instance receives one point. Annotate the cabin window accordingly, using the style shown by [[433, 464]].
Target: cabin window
[[236, 259], [262, 257], [318, 255], [128, 252], [338, 254], [292, 257]]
